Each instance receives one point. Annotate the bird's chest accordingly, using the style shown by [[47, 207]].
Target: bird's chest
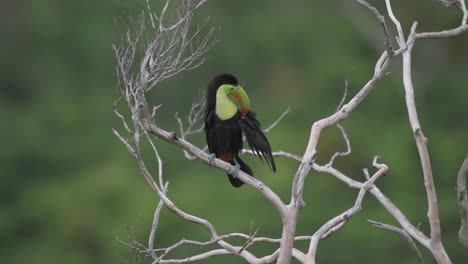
[[227, 135]]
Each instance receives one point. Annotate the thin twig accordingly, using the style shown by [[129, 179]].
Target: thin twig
[[249, 241], [381, 20], [343, 132], [348, 147], [154, 228], [366, 173], [288, 110], [403, 234], [450, 32], [401, 36]]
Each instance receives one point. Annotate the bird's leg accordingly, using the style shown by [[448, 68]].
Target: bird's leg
[[211, 158], [236, 169]]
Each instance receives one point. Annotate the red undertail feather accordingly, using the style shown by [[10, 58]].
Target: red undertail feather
[[226, 156]]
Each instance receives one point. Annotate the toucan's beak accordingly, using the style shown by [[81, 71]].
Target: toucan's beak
[[241, 100]]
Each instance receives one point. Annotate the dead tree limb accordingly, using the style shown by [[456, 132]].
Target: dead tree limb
[[463, 202], [403, 234]]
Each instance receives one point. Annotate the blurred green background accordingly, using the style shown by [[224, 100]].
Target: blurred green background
[[69, 187]]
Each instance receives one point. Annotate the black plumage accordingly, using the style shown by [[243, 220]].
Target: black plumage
[[224, 137], [256, 138]]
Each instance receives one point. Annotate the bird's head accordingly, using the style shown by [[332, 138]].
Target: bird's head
[[237, 96]]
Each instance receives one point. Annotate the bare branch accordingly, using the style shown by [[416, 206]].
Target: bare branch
[[288, 110], [402, 233], [168, 51], [154, 226], [436, 245], [184, 18], [450, 32], [157, 212], [463, 202], [384, 200], [124, 141], [366, 173], [337, 222], [343, 132], [345, 95], [191, 218], [296, 201], [311, 152], [182, 242], [317, 127], [279, 153], [122, 118], [194, 119], [443, 34], [448, 3], [401, 36], [224, 166], [196, 115], [433, 213], [381, 20], [232, 235], [348, 147], [206, 255], [250, 239]]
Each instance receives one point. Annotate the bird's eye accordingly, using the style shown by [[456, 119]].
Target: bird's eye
[[232, 88]]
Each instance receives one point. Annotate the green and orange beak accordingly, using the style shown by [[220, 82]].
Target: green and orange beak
[[240, 98]]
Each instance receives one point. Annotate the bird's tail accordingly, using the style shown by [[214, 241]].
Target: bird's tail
[[243, 167]]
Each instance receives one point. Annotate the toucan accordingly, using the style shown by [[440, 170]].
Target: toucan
[[227, 116]]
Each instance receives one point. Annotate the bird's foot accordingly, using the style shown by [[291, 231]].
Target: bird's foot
[[211, 158], [236, 169]]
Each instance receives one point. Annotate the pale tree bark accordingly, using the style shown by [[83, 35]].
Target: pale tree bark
[[403, 234], [158, 48], [462, 195]]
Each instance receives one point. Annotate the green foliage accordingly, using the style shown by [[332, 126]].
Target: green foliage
[[69, 187]]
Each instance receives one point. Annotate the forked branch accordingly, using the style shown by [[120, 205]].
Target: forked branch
[[339, 221], [406, 46], [403, 234]]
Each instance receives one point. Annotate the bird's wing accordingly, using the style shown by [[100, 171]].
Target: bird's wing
[[256, 139], [210, 131]]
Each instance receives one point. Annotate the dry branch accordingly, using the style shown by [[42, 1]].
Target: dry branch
[[463, 202], [403, 234], [406, 46], [337, 222], [296, 201]]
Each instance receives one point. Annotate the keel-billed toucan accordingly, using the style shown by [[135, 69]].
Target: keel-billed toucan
[[227, 116]]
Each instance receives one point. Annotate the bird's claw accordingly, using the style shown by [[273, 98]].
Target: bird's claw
[[211, 158], [236, 170]]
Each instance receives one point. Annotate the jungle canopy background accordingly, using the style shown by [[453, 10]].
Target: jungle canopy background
[[69, 187]]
